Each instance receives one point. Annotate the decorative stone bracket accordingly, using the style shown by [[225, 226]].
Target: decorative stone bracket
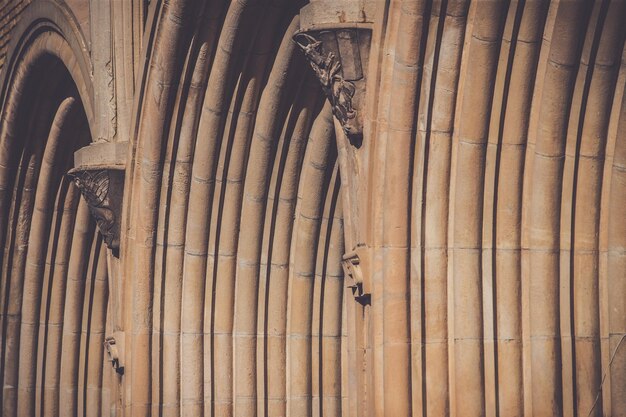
[[355, 269], [335, 37], [99, 175], [114, 345]]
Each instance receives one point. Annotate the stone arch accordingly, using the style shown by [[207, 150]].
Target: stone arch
[[63, 39], [53, 286], [238, 258], [481, 210]]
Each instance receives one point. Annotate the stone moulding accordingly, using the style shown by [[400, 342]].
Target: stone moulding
[[335, 38], [100, 180]]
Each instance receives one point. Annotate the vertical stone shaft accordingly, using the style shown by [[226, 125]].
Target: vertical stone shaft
[[95, 355], [331, 319], [16, 247], [161, 85], [545, 207], [302, 266], [396, 236], [49, 177], [262, 151], [174, 240], [476, 100], [512, 135], [278, 255], [617, 265], [52, 319], [601, 70], [82, 241], [198, 377], [434, 128]]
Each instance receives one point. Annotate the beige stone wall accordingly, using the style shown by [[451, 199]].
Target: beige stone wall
[[480, 218]]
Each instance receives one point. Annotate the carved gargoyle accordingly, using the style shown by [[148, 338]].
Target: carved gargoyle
[[327, 69], [94, 186]]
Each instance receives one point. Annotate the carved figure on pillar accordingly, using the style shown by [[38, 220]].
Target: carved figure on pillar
[[94, 187], [327, 69]]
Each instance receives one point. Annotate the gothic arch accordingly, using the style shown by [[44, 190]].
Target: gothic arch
[[244, 232], [458, 249], [53, 285]]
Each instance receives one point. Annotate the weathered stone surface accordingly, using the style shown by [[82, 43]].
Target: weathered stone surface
[[338, 208]]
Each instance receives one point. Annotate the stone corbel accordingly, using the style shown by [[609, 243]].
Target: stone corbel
[[99, 175], [335, 37], [114, 346], [356, 269]]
